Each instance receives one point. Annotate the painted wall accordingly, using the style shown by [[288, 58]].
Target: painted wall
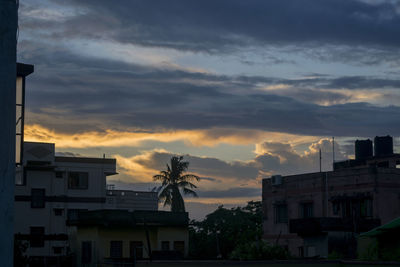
[[101, 237]]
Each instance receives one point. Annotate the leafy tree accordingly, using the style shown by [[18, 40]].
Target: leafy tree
[[173, 182], [225, 229]]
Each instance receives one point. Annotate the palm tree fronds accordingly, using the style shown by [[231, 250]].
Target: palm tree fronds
[[187, 191]]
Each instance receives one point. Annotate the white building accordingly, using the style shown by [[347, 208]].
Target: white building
[[50, 189]]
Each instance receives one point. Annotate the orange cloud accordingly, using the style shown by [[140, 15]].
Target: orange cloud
[[112, 138]]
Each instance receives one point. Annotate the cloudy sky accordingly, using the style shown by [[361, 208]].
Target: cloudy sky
[[243, 89]]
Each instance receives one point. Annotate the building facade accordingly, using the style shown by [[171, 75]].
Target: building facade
[[52, 189], [117, 237], [316, 214]]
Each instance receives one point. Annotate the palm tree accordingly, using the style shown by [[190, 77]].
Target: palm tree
[[174, 182]]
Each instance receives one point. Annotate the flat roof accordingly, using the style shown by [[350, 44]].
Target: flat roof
[[86, 160], [24, 69], [118, 218]]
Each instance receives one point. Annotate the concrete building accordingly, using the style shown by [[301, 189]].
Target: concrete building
[[316, 214], [112, 237], [51, 189]]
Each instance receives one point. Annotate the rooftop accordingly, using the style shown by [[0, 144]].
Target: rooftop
[[118, 218]]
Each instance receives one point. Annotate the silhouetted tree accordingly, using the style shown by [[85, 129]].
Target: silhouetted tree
[[173, 182], [226, 230]]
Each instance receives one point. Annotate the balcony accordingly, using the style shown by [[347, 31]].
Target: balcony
[[315, 226]]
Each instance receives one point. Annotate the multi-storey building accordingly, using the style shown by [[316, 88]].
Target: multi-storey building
[[51, 189], [316, 214]]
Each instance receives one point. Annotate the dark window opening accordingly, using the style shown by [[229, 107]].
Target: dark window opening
[[58, 212], [306, 210], [164, 245], [57, 250], [383, 164], [136, 249], [78, 180], [281, 213], [86, 256], [366, 208], [72, 214], [335, 207], [59, 174], [301, 252], [116, 249], [37, 237], [359, 207], [37, 200]]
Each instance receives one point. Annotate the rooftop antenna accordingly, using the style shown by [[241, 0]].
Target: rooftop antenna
[[320, 161]]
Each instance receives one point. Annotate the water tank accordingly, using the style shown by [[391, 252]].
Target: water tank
[[363, 149], [383, 145]]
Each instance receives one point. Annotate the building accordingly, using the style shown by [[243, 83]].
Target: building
[[51, 189], [316, 214], [119, 236]]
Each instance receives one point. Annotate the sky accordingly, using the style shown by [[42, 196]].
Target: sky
[[243, 89]]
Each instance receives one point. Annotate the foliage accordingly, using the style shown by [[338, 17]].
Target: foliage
[[173, 182], [259, 250], [224, 230], [335, 255]]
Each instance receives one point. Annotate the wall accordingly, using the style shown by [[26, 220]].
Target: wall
[[382, 184], [101, 238]]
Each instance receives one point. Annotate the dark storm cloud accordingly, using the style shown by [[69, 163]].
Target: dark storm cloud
[[360, 82], [204, 166], [220, 26], [73, 93], [233, 192]]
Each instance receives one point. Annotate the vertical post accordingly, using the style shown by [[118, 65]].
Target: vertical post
[[326, 195], [8, 69], [320, 160]]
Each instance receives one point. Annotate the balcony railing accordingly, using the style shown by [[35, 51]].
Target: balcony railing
[[313, 226]]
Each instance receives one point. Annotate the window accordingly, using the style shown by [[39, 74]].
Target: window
[[366, 207], [265, 211], [72, 214], [116, 249], [306, 210], [136, 249], [57, 250], [336, 207], [37, 237], [59, 174], [281, 213], [78, 180], [86, 256], [20, 176], [37, 200], [58, 212], [164, 245], [179, 246]]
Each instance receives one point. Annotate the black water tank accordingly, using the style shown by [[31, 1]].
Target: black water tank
[[383, 145], [363, 149]]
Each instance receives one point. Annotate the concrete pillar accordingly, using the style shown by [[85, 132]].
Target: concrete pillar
[[8, 68]]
